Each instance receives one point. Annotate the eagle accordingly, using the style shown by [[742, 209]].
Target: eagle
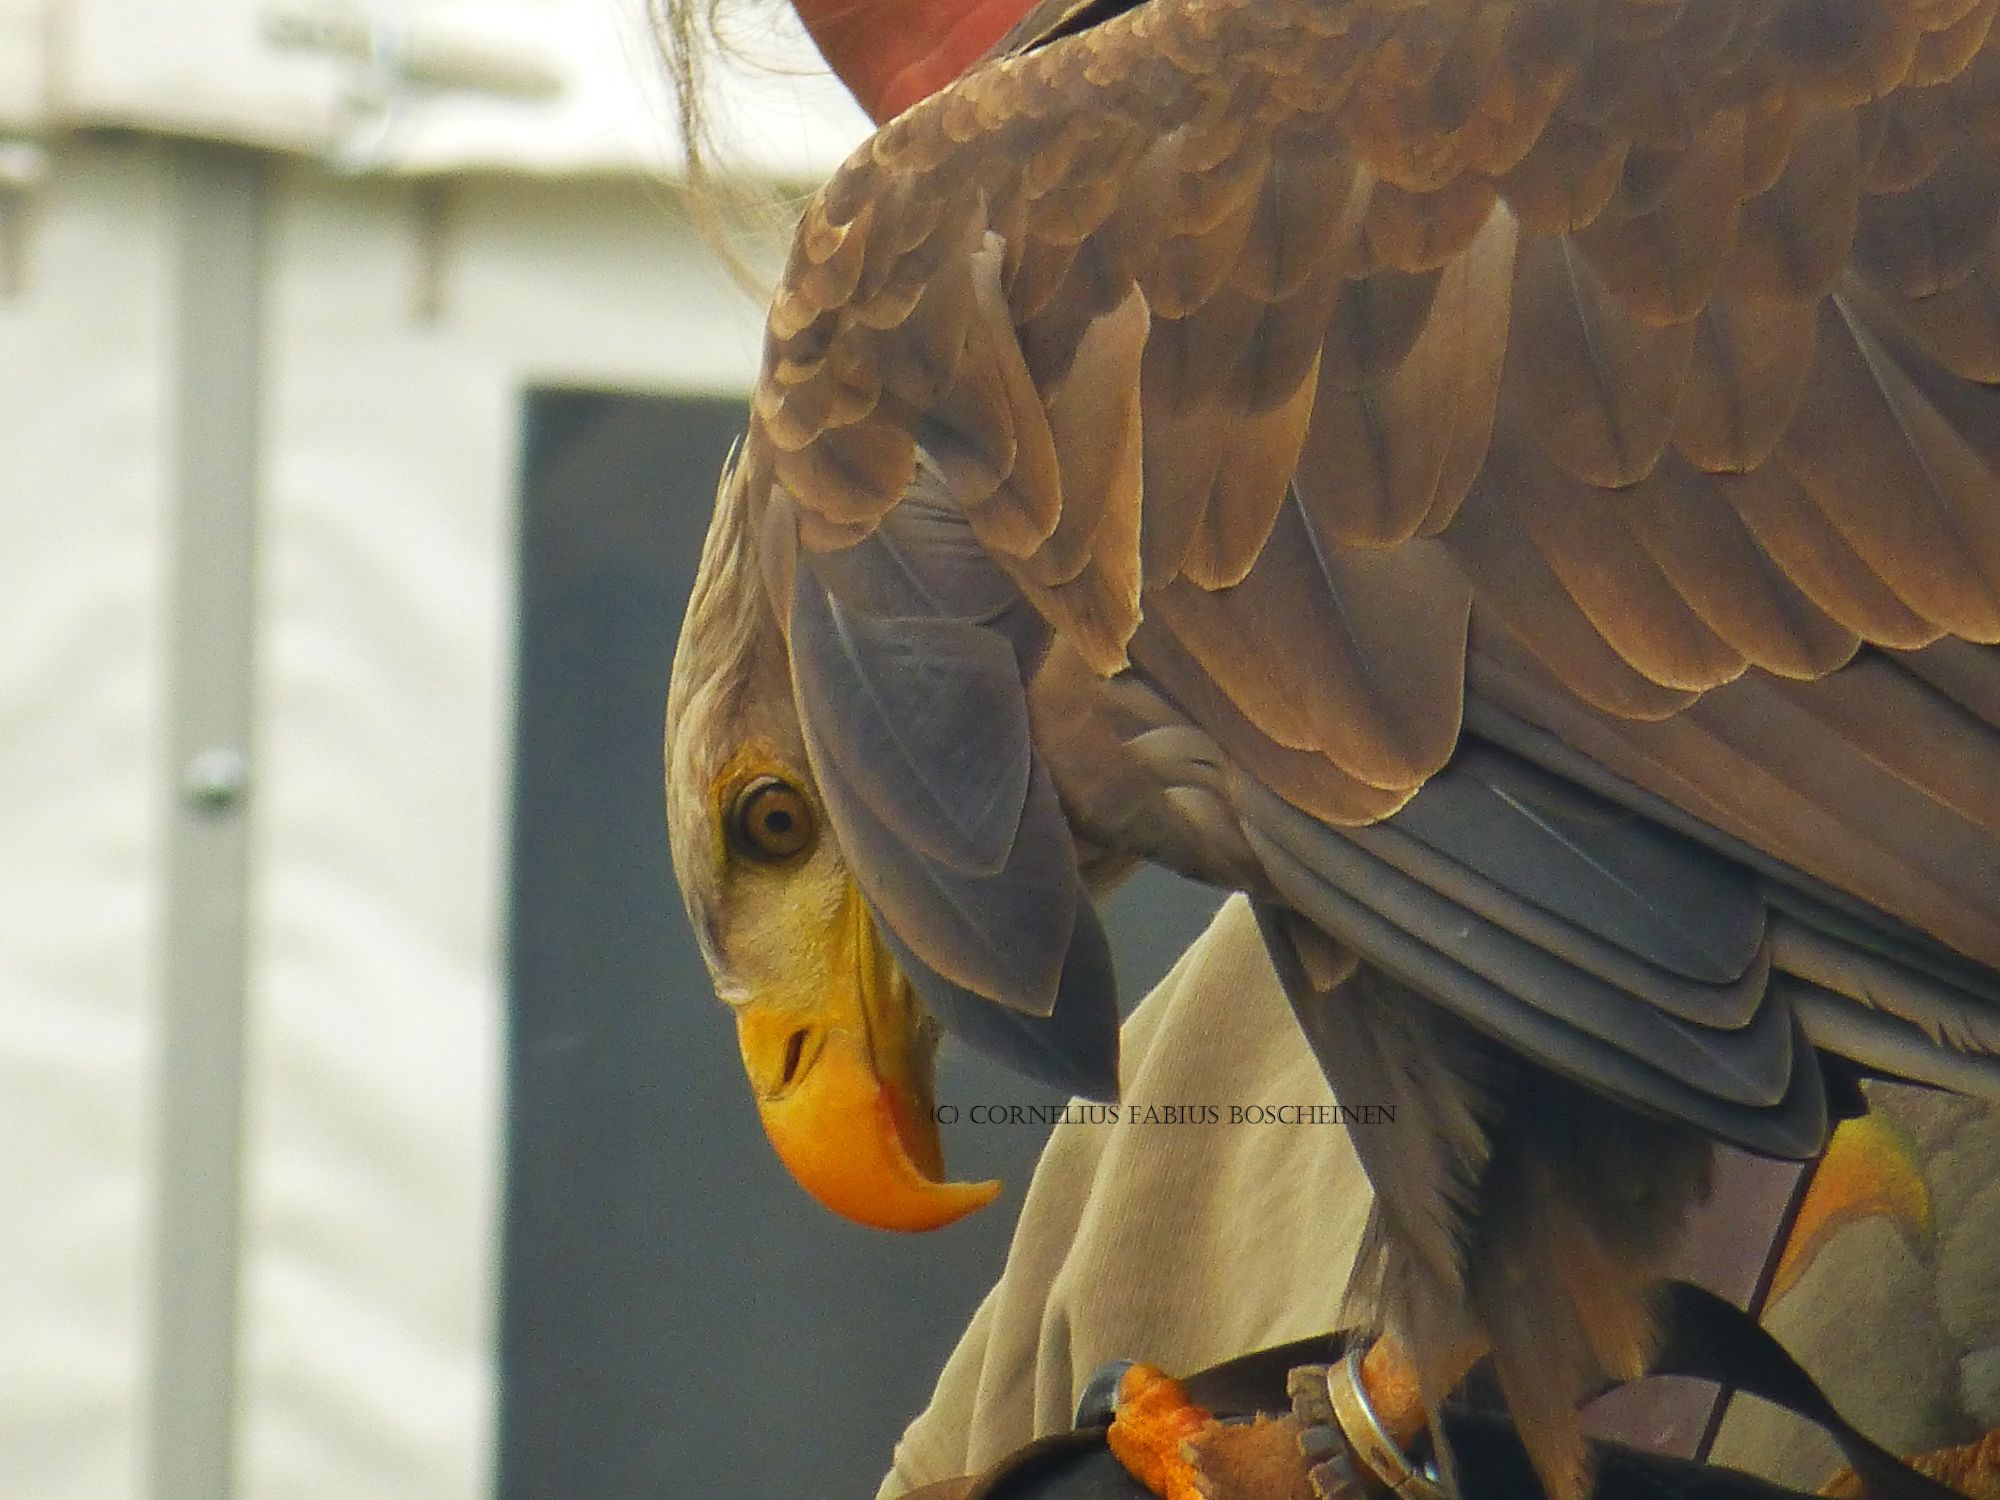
[[1511, 485]]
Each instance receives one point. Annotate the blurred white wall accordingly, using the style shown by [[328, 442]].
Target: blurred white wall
[[423, 252], [83, 486], [552, 86]]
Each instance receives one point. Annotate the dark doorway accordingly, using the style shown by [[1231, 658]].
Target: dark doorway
[[678, 1318]]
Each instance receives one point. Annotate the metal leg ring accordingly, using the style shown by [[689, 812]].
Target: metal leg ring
[[1370, 1444]]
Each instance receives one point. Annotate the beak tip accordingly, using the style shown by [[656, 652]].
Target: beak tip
[[950, 1202], [908, 1208]]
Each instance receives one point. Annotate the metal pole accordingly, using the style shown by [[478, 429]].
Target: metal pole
[[217, 214]]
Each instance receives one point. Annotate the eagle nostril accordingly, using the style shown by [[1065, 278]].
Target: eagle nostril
[[795, 1047]]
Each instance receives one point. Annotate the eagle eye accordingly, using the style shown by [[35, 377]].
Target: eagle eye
[[770, 821]]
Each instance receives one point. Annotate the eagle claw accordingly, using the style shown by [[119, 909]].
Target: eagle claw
[[1152, 1421], [1097, 1406]]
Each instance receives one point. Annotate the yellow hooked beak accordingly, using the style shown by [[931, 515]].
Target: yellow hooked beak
[[844, 1088]]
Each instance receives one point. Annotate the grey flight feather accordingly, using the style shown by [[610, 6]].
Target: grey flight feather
[[1001, 928]]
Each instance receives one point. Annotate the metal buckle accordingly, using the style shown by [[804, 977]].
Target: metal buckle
[[1371, 1446]]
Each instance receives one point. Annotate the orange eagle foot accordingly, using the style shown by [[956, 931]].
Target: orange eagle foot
[[1354, 1412], [1973, 1469]]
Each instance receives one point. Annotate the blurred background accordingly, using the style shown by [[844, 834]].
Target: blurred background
[[367, 1128]]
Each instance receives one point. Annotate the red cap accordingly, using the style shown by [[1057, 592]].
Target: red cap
[[891, 53]]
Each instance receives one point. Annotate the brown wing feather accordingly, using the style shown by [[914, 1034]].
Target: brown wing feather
[[1896, 480], [1663, 240], [1750, 359], [1714, 562], [1792, 239], [1389, 456]]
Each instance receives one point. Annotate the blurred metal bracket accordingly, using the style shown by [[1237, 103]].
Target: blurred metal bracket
[[429, 53], [218, 277], [394, 62]]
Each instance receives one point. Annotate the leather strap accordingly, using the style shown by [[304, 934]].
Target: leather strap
[[1253, 1383], [1707, 1337], [1715, 1340], [1063, 1466]]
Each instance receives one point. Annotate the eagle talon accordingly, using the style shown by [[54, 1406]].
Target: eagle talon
[[1335, 1479], [1097, 1405], [1152, 1421], [1973, 1469]]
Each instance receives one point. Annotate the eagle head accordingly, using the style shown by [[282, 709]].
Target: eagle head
[[838, 1050]]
